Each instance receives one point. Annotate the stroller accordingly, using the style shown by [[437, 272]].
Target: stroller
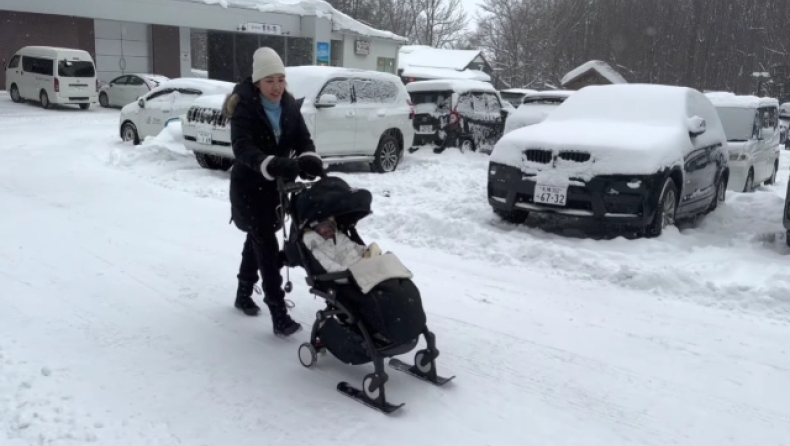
[[357, 328]]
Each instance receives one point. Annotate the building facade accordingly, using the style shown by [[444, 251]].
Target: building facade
[[156, 36]]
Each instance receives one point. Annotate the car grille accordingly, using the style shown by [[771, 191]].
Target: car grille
[[546, 156], [204, 115]]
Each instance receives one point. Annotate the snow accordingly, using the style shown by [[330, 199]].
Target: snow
[[629, 129], [528, 114], [603, 68], [210, 101], [428, 57], [317, 8], [457, 86], [207, 86], [118, 274], [518, 90], [443, 73], [720, 99], [201, 74]]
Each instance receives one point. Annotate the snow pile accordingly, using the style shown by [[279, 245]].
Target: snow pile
[[603, 68], [168, 145], [425, 62], [629, 129], [318, 8], [457, 86]]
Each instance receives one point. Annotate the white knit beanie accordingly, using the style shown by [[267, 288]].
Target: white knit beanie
[[266, 62]]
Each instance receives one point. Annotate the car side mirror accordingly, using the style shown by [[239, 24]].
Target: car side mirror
[[141, 103], [696, 126], [326, 101]]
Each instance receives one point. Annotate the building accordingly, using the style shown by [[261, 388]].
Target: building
[[420, 62], [156, 36], [594, 72]]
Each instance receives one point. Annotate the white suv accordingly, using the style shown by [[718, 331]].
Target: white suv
[[353, 116]]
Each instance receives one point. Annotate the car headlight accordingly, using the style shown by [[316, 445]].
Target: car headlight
[[492, 169], [738, 156]]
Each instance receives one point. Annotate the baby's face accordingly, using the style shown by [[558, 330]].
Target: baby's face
[[325, 230]]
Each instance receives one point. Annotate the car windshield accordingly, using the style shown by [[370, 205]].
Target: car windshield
[[76, 68], [738, 122], [513, 98]]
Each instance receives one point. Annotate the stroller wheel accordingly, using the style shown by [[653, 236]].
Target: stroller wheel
[[366, 382], [307, 355], [418, 362]]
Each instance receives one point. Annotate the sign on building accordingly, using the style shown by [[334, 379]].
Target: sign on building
[[322, 53], [261, 28], [362, 47]]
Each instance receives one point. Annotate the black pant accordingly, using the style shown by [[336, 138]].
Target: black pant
[[260, 253]]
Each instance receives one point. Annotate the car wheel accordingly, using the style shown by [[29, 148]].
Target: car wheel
[[749, 185], [44, 98], [721, 194], [15, 96], [213, 162], [665, 209], [104, 101], [387, 155], [129, 133], [772, 180], [513, 216]]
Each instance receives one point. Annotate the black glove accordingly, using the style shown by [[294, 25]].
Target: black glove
[[286, 168], [310, 166]]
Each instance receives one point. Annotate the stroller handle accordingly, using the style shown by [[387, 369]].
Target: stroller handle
[[294, 186]]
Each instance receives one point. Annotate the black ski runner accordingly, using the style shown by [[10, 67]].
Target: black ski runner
[[359, 396], [401, 366]]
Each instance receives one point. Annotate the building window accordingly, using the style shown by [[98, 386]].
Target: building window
[[336, 53], [300, 51], [386, 65]]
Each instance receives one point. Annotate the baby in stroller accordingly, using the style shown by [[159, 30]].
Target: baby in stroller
[[373, 309]]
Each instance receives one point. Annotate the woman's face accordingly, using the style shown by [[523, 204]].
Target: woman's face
[[272, 87]]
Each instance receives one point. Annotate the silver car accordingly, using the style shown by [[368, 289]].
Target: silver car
[[127, 88]]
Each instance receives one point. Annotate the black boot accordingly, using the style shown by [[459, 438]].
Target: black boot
[[244, 300], [282, 324]]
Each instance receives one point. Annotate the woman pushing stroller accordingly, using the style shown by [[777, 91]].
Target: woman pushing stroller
[[270, 140]]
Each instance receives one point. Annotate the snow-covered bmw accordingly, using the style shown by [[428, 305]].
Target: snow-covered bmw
[[635, 155], [149, 114], [353, 116]]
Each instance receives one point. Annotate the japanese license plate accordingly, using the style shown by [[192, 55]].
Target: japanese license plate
[[204, 138], [554, 195], [426, 129]]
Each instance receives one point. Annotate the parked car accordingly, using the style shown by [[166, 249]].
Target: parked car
[[51, 76], [353, 116], [535, 107], [515, 96], [630, 154], [752, 128], [456, 113], [171, 99], [128, 88], [784, 124]]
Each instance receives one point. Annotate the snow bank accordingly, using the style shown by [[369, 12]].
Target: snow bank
[[740, 101], [603, 68], [318, 8], [168, 145], [458, 86]]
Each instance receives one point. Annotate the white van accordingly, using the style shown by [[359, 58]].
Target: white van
[[52, 75]]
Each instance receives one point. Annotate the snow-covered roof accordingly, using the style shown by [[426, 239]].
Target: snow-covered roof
[[445, 73], [601, 67], [429, 57], [318, 8], [458, 86], [726, 99], [207, 86]]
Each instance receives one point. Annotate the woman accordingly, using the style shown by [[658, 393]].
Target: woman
[[270, 140]]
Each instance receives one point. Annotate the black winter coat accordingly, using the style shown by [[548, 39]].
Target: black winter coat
[[253, 197]]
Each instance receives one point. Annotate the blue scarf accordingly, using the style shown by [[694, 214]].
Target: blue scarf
[[273, 112]]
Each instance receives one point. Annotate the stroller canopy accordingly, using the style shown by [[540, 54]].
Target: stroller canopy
[[332, 197]]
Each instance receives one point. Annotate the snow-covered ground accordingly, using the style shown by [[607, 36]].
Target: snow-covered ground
[[117, 275]]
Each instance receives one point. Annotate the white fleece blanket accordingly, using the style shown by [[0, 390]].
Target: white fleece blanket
[[370, 272]]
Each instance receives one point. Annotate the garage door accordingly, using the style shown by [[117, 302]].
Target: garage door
[[121, 48]]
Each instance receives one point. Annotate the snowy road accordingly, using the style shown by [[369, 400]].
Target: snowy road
[[117, 272]]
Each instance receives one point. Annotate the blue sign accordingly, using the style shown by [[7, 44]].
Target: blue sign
[[322, 53]]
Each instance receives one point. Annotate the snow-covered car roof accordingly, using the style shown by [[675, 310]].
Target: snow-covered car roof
[[153, 77], [458, 86], [629, 128], [725, 99], [207, 86], [518, 90], [305, 81], [550, 94]]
